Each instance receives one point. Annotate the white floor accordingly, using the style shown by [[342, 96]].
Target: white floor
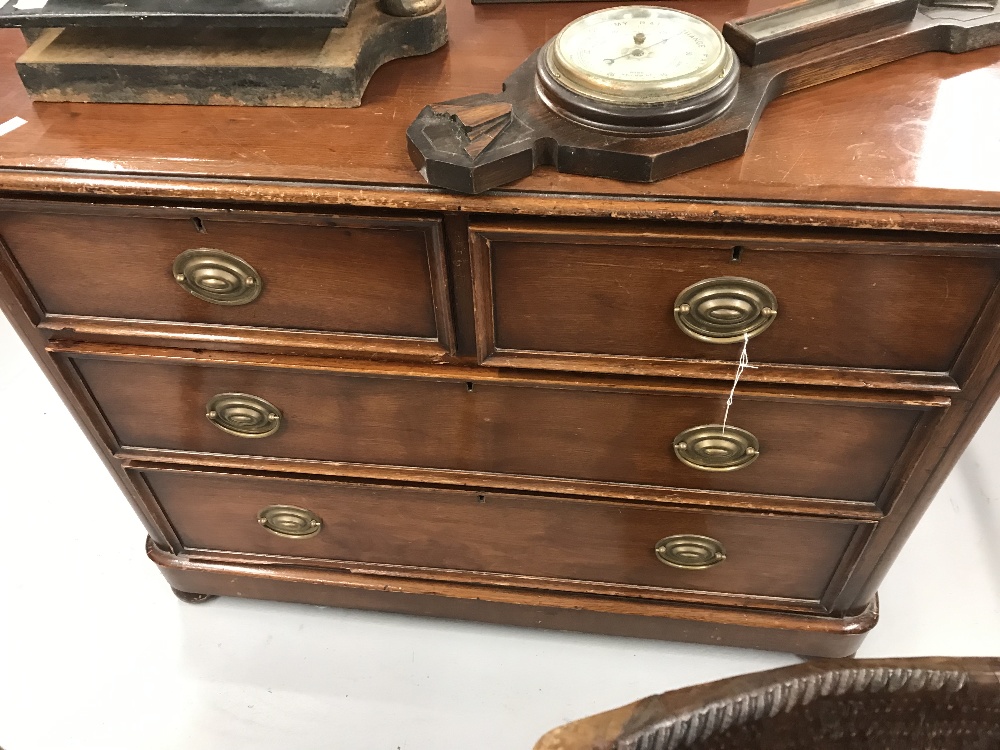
[[95, 652]]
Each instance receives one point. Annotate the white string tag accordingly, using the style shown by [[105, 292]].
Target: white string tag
[[741, 365]]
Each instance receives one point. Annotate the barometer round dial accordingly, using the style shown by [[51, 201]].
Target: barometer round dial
[[639, 55], [638, 67]]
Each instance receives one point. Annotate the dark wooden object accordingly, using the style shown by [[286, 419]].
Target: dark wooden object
[[314, 66], [164, 13], [826, 704], [484, 379], [189, 598], [536, 135], [753, 50]]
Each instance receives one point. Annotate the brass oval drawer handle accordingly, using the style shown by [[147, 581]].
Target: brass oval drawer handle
[[690, 551], [290, 522], [722, 310], [243, 415], [709, 448], [217, 276]]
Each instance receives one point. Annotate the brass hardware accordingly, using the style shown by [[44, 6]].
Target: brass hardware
[[690, 551], [217, 276], [709, 448], [289, 521], [243, 415], [721, 310], [407, 8]]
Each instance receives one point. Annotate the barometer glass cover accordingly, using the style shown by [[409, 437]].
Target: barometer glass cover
[[639, 55]]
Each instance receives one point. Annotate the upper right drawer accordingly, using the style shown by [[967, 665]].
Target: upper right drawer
[[830, 312]]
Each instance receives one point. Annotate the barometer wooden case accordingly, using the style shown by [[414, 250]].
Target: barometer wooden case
[[641, 93]]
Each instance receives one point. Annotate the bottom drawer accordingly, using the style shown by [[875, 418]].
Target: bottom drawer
[[516, 540]]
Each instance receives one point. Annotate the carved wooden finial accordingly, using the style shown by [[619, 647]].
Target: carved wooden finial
[[480, 124]]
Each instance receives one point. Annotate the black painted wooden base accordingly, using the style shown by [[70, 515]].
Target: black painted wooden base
[[251, 67], [237, 13]]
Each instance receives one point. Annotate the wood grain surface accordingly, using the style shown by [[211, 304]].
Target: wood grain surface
[[881, 137], [548, 542], [589, 434], [572, 291], [797, 632], [867, 395], [380, 277]]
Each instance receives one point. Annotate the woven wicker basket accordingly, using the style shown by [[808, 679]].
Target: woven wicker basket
[[849, 704]]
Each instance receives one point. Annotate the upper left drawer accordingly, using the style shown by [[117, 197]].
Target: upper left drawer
[[236, 278]]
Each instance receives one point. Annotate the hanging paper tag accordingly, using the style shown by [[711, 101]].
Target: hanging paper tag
[[741, 365]]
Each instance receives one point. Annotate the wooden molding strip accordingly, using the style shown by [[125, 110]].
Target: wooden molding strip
[[512, 377], [143, 459], [850, 624], [123, 185]]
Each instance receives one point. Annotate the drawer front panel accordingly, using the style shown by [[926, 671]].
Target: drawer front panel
[[336, 275], [573, 433], [505, 534], [616, 303]]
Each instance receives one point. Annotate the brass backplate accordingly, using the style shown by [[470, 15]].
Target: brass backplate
[[243, 415], [289, 521], [217, 276], [725, 309], [690, 551], [712, 447]]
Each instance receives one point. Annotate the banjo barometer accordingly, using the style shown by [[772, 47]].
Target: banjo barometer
[[640, 93]]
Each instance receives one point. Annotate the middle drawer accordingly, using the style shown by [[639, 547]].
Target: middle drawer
[[540, 429]]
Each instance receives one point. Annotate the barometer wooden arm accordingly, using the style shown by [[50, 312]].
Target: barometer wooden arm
[[933, 29], [480, 142]]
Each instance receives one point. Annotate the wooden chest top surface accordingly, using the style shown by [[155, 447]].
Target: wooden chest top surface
[[919, 132]]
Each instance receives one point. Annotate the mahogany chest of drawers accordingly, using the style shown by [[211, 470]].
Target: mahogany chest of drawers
[[319, 381]]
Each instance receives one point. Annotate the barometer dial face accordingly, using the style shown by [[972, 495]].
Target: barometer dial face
[[639, 55]]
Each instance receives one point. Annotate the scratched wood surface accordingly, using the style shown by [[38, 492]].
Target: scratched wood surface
[[886, 136]]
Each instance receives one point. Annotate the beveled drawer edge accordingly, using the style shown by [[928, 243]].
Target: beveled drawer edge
[[316, 214], [166, 334], [855, 623], [723, 235], [512, 581], [142, 459], [477, 374], [162, 187], [12, 273], [704, 369]]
